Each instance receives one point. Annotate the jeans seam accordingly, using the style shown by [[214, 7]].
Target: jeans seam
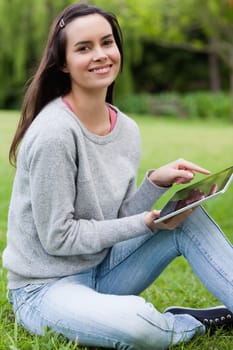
[[167, 330]]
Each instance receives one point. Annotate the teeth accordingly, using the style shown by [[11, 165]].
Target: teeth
[[101, 70]]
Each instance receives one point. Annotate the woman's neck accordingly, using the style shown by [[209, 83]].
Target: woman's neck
[[91, 111]]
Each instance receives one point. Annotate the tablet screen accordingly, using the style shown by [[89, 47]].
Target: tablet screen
[[210, 186]]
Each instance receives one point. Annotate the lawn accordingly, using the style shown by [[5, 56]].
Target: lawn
[[209, 144]]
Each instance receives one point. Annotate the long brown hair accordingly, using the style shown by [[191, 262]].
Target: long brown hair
[[49, 80]]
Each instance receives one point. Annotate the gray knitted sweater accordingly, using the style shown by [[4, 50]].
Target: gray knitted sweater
[[74, 196]]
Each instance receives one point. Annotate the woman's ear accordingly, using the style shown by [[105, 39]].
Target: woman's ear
[[64, 68]]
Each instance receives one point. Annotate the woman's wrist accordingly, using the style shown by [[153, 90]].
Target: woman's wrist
[[153, 178]]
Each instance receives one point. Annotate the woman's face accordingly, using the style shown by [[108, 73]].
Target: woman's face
[[92, 56]]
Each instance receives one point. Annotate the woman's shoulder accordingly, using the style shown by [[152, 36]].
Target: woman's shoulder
[[51, 125], [53, 114], [52, 121]]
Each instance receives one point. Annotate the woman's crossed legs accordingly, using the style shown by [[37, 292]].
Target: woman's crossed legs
[[101, 307]]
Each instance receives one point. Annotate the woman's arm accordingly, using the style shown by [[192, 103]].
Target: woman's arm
[[141, 199]]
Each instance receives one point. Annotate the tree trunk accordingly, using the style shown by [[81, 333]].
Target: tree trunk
[[214, 72]]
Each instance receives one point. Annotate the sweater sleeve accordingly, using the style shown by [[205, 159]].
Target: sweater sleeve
[[142, 199], [53, 173]]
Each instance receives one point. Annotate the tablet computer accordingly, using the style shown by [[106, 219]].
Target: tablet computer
[[197, 193]]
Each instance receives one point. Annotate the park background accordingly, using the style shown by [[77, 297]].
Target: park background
[[177, 83]]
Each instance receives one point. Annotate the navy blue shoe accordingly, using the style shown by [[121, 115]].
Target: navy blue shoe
[[212, 318]]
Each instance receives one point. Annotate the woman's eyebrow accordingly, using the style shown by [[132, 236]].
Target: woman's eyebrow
[[107, 36], [84, 42]]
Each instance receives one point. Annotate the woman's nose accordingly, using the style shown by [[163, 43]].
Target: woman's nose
[[99, 54]]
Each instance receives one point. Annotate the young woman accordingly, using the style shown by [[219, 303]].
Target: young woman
[[82, 241]]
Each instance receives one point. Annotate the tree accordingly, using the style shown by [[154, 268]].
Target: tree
[[24, 28], [198, 25], [176, 23], [216, 20]]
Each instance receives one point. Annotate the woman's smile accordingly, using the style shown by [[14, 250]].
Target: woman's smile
[[101, 69]]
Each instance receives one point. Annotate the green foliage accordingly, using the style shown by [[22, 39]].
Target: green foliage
[[203, 105], [172, 23], [189, 24], [162, 140], [24, 29], [207, 105]]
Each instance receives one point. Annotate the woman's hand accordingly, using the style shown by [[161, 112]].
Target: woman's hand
[[169, 224], [180, 171]]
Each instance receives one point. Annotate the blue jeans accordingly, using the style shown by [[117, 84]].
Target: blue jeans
[[102, 306]]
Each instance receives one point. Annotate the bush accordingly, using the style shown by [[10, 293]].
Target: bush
[[139, 104], [207, 105], [204, 105]]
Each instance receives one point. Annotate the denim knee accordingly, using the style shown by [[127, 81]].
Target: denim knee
[[149, 329]]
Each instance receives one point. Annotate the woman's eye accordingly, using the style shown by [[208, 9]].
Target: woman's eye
[[108, 42], [83, 48]]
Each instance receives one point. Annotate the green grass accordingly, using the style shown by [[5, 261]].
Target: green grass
[[163, 140]]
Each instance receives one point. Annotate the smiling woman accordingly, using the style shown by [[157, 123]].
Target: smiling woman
[[82, 240]]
